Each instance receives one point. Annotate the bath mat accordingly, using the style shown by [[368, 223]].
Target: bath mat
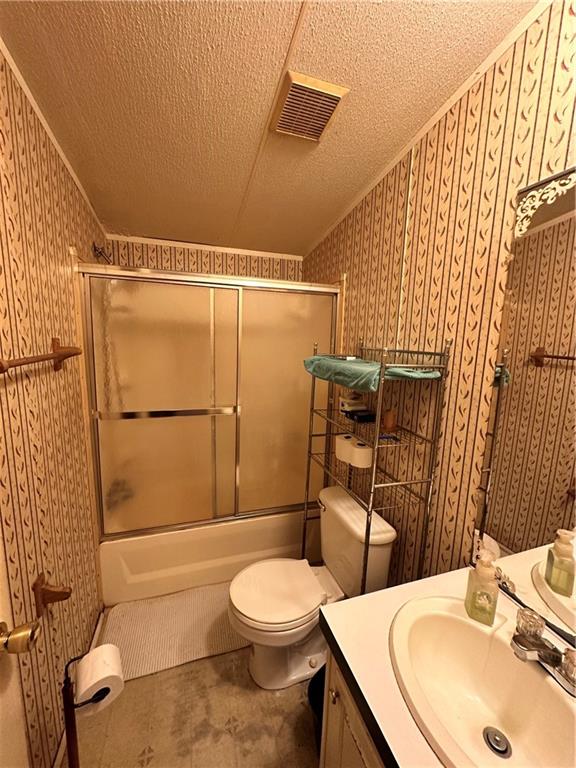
[[164, 632]]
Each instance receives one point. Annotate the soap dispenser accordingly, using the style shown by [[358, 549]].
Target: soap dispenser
[[482, 591], [559, 573]]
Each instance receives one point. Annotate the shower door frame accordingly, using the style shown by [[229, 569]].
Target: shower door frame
[[87, 271]]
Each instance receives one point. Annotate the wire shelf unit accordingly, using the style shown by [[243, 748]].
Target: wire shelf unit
[[400, 438], [402, 471]]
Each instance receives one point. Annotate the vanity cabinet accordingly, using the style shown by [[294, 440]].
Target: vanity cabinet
[[346, 742]]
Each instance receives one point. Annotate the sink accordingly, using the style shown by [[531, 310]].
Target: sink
[[563, 607], [459, 677]]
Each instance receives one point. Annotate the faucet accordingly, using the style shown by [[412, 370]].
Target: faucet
[[504, 580], [529, 645]]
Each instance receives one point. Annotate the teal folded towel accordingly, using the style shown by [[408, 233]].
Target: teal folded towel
[[357, 374], [411, 373], [361, 375]]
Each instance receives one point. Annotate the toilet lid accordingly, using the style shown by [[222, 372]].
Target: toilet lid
[[277, 591]]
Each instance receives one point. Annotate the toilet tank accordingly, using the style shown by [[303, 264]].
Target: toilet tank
[[343, 531]]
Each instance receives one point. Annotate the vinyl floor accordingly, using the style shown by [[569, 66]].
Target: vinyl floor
[[204, 714]]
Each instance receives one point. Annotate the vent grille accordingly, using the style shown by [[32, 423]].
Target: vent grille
[[306, 106]]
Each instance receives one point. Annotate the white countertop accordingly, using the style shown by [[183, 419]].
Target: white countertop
[[361, 628]]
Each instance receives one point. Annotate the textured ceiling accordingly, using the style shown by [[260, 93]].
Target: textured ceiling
[[162, 108]]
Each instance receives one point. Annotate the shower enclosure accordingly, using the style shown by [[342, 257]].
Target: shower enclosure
[[199, 399]]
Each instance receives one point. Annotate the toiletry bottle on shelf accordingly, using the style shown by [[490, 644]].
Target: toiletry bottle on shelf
[[560, 564], [389, 422], [482, 590]]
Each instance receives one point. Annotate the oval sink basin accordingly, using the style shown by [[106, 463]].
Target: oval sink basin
[[460, 679]]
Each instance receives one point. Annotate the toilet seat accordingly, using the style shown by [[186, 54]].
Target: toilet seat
[[311, 619], [277, 595]]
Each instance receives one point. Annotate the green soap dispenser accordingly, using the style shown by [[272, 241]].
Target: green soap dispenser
[[560, 569], [482, 591]]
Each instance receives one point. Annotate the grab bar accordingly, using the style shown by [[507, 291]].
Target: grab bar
[[57, 357]]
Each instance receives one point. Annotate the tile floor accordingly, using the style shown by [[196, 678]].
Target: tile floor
[[206, 714]]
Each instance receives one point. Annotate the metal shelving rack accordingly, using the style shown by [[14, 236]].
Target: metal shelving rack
[[380, 488]]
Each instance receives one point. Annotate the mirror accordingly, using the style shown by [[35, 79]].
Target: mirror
[[543, 204], [529, 463]]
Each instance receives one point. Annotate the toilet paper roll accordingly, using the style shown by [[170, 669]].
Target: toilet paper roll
[[344, 447], [98, 674], [360, 454]]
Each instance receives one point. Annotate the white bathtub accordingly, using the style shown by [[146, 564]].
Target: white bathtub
[[159, 563]]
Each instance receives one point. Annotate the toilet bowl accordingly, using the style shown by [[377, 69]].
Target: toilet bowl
[[275, 604]]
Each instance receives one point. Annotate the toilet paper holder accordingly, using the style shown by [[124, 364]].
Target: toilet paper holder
[[70, 706]]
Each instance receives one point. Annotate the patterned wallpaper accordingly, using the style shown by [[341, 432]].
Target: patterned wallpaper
[[457, 187], [47, 508], [425, 254], [534, 459], [182, 258]]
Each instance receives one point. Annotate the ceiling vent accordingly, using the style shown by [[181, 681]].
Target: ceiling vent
[[305, 106]]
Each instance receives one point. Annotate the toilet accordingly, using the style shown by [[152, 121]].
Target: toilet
[[275, 604]]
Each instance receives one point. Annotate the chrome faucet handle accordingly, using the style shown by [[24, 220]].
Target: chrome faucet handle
[[504, 580], [529, 623], [565, 674], [562, 634], [528, 643], [568, 666]]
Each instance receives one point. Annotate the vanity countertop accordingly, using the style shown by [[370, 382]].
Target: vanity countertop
[[357, 631]]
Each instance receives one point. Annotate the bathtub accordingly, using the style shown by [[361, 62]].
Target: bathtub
[[160, 563]]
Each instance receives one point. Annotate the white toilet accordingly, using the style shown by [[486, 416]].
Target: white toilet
[[275, 603]]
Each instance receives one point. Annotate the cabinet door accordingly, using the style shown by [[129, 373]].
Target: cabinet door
[[346, 742], [358, 750], [331, 751], [351, 755]]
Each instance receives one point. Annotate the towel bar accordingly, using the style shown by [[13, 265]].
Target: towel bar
[[540, 354], [58, 355]]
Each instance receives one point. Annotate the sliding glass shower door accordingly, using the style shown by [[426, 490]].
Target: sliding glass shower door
[[279, 329], [200, 397], [165, 380]]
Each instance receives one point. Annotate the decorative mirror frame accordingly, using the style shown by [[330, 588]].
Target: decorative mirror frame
[[544, 192]]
